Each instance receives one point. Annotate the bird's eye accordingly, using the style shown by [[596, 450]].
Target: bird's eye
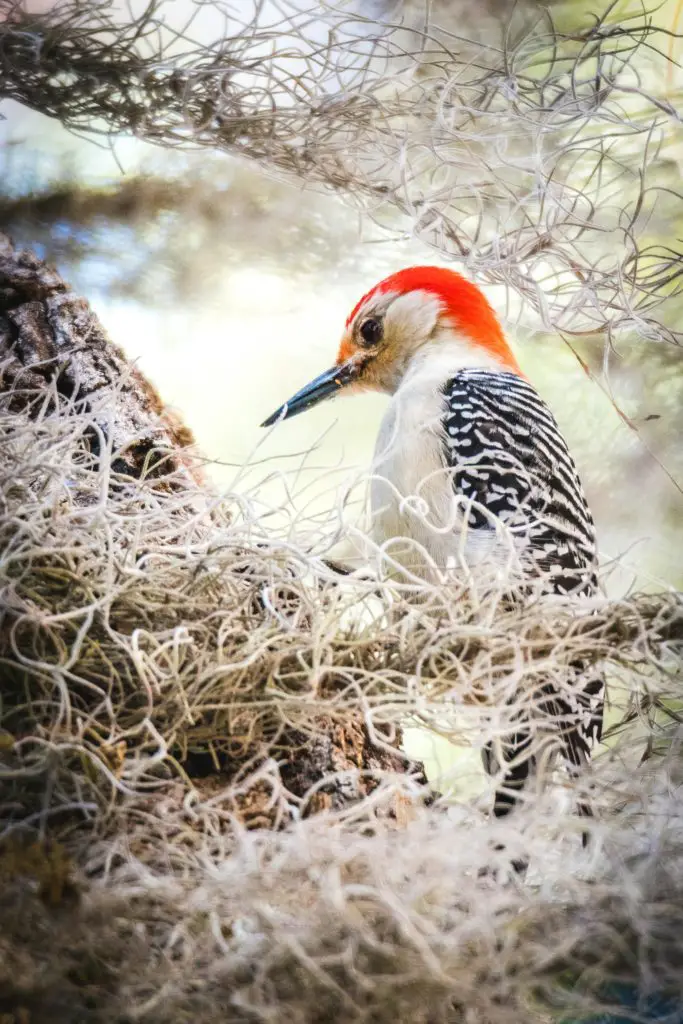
[[371, 331]]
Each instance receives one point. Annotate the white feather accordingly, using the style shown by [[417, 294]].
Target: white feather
[[414, 504]]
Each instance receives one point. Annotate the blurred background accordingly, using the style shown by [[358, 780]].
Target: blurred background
[[228, 281]]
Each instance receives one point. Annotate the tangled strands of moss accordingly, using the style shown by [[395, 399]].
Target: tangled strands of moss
[[143, 626], [323, 923], [534, 147], [205, 810]]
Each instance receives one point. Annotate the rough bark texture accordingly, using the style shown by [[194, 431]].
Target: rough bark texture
[[50, 338]]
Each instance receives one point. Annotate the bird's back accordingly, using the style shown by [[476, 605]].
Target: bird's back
[[509, 459]]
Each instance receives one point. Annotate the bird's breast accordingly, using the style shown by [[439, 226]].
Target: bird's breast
[[414, 505]]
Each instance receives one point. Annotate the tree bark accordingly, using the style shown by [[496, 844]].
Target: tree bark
[[50, 338]]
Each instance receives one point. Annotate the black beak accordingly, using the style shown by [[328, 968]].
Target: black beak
[[324, 386]]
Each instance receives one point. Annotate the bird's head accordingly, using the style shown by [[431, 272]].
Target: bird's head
[[400, 316]]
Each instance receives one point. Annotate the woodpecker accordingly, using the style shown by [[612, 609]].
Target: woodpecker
[[470, 467]]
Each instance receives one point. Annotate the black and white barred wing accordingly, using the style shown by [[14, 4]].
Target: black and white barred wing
[[507, 454]]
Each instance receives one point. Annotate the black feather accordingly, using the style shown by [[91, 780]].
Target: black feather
[[507, 454]]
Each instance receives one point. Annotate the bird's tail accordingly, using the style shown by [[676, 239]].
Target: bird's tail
[[577, 721], [514, 757]]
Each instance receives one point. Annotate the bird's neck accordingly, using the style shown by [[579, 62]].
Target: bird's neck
[[442, 357]]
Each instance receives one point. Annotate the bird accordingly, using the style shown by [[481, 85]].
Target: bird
[[471, 474]]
